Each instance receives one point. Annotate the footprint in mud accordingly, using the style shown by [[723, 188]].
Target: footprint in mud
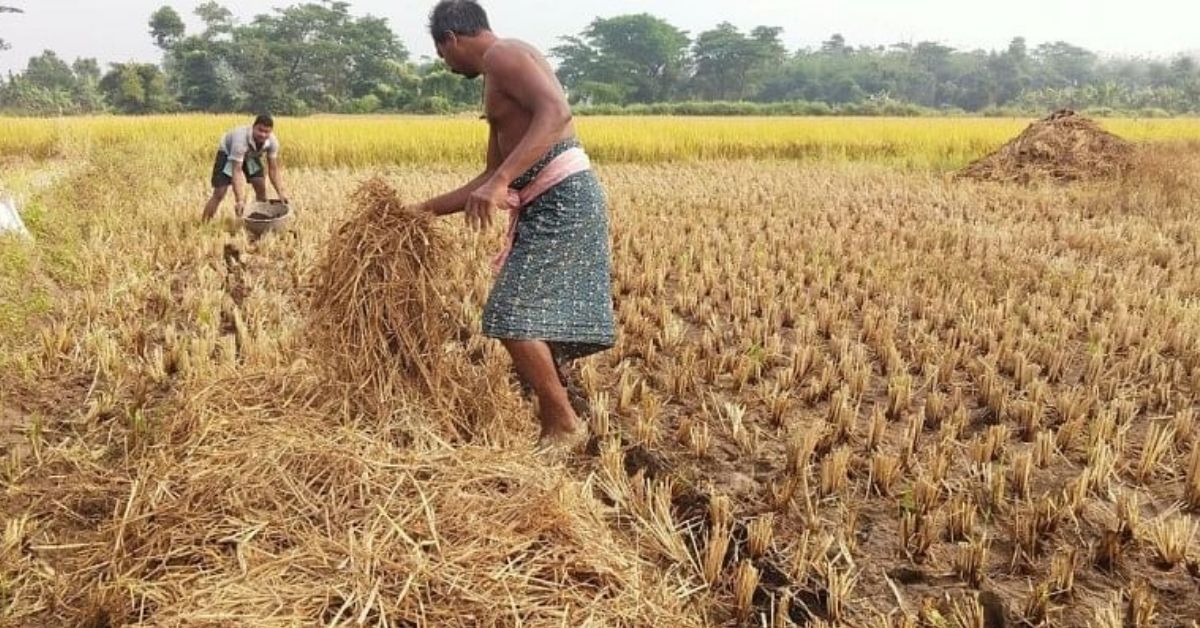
[[235, 282], [12, 441], [233, 257], [651, 464]]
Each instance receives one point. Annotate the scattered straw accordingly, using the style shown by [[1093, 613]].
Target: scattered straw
[[271, 517]]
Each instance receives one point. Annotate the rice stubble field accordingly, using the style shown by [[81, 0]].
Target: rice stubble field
[[849, 390]]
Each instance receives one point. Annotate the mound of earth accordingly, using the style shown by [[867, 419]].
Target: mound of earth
[[1062, 147]]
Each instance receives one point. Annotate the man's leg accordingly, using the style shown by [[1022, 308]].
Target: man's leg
[[563, 377], [260, 189], [214, 201], [535, 364]]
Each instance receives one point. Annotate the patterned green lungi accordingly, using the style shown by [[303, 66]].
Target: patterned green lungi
[[556, 284]]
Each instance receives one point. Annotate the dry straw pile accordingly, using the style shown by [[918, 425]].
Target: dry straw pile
[[385, 327], [1061, 147], [377, 311]]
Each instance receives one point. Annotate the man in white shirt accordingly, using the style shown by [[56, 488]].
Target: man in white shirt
[[240, 159]]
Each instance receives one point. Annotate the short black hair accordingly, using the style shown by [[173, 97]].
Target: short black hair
[[265, 120], [461, 17]]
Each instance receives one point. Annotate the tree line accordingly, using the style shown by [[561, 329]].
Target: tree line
[[318, 57]]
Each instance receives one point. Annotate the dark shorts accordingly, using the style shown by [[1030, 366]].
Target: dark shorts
[[220, 179]]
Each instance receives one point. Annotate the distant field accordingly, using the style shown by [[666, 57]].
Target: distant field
[[327, 141]]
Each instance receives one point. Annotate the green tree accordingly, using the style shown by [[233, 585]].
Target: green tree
[[402, 88], [440, 85], [1010, 71], [136, 88], [312, 56], [22, 96], [49, 86], [86, 70], [295, 59], [195, 67], [166, 27], [316, 56], [835, 45], [769, 44], [577, 60], [729, 65], [1064, 65], [374, 52], [198, 78], [86, 93], [50, 72], [722, 57], [217, 19], [792, 80], [123, 89], [642, 55], [596, 93], [934, 63]]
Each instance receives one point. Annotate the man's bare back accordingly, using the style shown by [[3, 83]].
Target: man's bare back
[[508, 120]]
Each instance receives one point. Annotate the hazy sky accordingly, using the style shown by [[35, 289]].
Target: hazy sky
[[115, 30]]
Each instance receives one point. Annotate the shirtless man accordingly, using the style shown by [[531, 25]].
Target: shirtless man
[[552, 298]]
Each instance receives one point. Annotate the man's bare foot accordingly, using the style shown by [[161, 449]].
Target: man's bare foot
[[565, 440]]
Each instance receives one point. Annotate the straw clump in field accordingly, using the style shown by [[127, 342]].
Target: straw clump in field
[[378, 315], [1062, 147]]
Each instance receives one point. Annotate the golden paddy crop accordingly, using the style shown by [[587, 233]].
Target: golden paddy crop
[[844, 393], [369, 141]]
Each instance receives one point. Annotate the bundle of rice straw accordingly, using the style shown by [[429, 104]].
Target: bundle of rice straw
[[1062, 147], [377, 316]]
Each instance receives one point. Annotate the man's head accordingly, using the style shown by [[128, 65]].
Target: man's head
[[264, 125], [453, 24]]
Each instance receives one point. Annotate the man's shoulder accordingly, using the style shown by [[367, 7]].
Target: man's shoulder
[[507, 50], [514, 43]]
